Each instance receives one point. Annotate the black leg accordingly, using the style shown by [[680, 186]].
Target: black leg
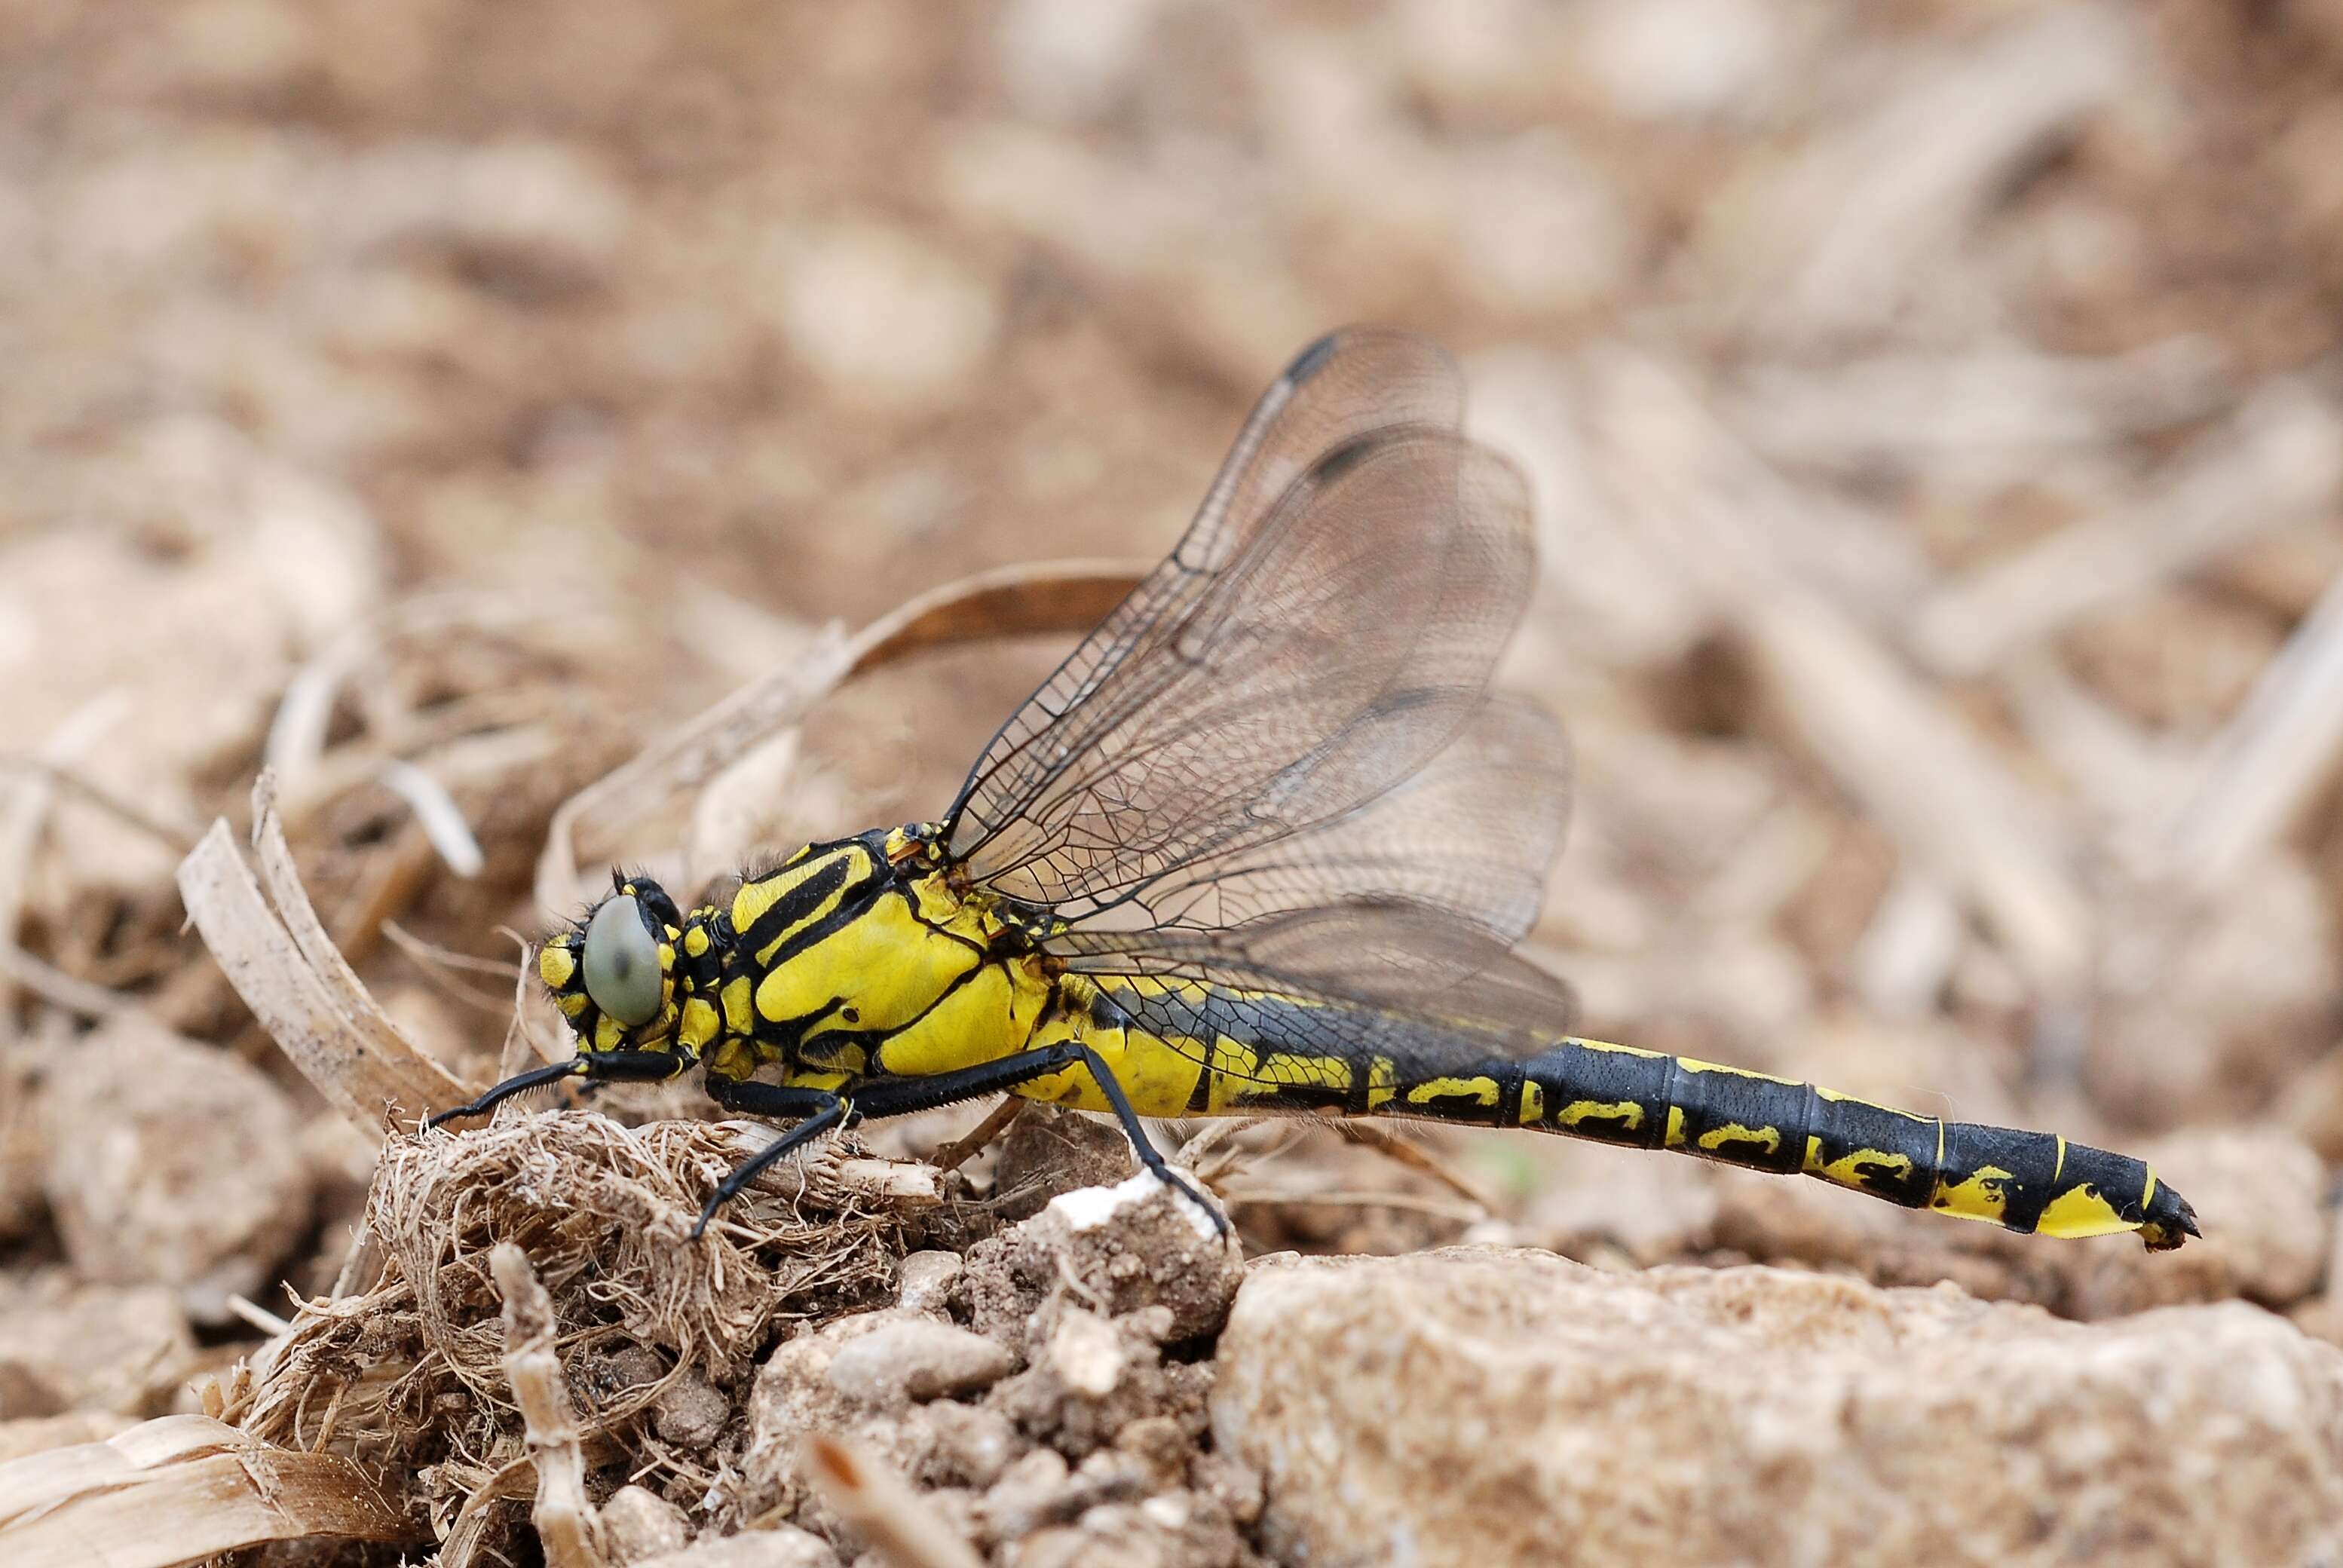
[[900, 1096], [606, 1067], [822, 1108]]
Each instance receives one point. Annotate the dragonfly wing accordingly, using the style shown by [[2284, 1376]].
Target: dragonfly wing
[[1315, 659], [1473, 833], [1339, 391], [1384, 972]]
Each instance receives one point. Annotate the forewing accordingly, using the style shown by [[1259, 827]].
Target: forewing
[[1344, 644], [1473, 833], [1402, 983], [1339, 394]]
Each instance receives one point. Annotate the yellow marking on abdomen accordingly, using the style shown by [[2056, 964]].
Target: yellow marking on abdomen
[[1627, 1114], [1481, 1091], [1978, 1196], [1715, 1140], [2081, 1211], [1853, 1168]]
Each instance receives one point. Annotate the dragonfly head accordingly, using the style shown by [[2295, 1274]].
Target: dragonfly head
[[623, 975]]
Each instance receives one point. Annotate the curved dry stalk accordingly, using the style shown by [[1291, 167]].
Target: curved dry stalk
[[564, 1518], [1056, 596], [299, 985]]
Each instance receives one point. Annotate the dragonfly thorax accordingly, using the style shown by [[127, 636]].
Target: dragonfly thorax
[[856, 956]]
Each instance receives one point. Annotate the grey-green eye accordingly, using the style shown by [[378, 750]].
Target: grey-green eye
[[621, 963]]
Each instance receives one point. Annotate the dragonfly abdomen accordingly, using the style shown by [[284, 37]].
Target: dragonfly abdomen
[[2020, 1181]]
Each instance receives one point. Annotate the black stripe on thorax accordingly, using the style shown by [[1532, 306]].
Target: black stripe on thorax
[[796, 905]]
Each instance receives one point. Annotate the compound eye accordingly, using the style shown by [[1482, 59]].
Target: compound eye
[[621, 963]]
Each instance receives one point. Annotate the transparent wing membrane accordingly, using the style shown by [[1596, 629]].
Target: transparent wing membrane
[[1276, 767]]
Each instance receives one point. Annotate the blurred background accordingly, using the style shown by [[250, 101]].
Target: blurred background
[[1933, 408]]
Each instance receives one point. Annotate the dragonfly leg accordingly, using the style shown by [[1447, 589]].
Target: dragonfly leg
[[822, 1108], [599, 1067], [901, 1096]]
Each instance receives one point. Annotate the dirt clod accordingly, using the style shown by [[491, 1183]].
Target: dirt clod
[[914, 1358], [1136, 1244], [637, 1523], [175, 1163]]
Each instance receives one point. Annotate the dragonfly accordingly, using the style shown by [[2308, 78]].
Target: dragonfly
[[1263, 842]]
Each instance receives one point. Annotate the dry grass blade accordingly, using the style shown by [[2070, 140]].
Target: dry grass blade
[[2279, 458], [179, 1489], [1018, 601], [881, 1506], [2272, 755], [297, 737], [966, 1147], [73, 783], [564, 1518], [298, 986], [1401, 1150], [25, 812], [1894, 191], [1890, 738]]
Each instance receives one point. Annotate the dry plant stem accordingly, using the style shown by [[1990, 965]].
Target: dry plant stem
[[2275, 462], [53, 985], [297, 737], [178, 1490], [1975, 413], [1903, 184], [2272, 755], [964, 1148], [1302, 1195], [1024, 600], [1895, 745], [72, 783], [564, 1518], [442, 965], [302, 991], [879, 1505], [1401, 1150], [25, 813]]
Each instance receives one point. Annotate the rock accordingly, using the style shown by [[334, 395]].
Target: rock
[[1092, 1378], [1086, 1354], [690, 1413], [1036, 1491], [1122, 1248], [973, 1444], [795, 1394], [98, 1348], [924, 1281], [1170, 1530], [1470, 1407], [917, 1358], [638, 1522], [173, 1163], [781, 1546]]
